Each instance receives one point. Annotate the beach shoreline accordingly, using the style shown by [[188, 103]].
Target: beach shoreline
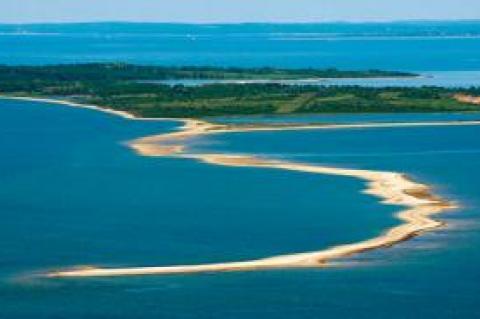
[[391, 188], [419, 202]]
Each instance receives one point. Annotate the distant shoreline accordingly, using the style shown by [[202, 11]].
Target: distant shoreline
[[143, 90], [392, 188], [124, 114]]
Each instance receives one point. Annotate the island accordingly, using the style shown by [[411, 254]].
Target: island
[[137, 89]]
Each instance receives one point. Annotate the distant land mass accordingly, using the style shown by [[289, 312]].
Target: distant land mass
[[124, 87], [333, 29]]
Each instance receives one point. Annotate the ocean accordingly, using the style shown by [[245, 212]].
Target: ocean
[[72, 193], [403, 47]]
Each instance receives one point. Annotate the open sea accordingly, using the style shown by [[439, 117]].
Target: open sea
[[72, 193]]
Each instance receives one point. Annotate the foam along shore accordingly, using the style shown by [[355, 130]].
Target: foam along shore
[[420, 204]]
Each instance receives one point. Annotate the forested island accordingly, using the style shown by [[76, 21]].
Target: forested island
[[119, 86], [125, 72]]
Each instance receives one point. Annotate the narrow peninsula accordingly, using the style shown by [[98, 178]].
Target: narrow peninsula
[[392, 188]]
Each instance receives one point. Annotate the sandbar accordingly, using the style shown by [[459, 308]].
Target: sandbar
[[392, 188], [419, 203]]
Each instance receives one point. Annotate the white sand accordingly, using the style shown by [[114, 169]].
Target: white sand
[[392, 188]]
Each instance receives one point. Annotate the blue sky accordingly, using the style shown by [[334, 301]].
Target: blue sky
[[202, 11]]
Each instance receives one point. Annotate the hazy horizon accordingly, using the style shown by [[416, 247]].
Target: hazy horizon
[[247, 22], [234, 12]]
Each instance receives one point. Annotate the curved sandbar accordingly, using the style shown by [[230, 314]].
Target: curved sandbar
[[391, 187]]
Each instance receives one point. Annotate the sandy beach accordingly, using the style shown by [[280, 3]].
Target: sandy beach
[[123, 114], [392, 188], [419, 202]]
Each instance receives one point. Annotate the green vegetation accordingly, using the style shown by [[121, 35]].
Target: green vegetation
[[124, 72], [117, 86]]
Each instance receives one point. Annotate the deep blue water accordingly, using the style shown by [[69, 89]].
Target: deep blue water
[[72, 193]]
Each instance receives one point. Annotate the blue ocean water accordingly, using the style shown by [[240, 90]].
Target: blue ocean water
[[72, 193], [409, 46]]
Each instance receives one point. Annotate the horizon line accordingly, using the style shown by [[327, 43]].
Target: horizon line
[[200, 23]]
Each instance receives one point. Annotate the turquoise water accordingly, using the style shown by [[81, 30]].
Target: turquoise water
[[72, 193]]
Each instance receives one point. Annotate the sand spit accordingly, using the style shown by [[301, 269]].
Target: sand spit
[[392, 188], [123, 114], [157, 145]]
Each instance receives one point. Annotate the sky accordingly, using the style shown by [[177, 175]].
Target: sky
[[232, 11]]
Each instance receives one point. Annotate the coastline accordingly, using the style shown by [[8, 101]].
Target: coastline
[[392, 188], [123, 114]]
